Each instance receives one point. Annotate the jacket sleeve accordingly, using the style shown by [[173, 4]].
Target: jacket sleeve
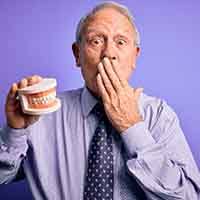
[[159, 157], [13, 148]]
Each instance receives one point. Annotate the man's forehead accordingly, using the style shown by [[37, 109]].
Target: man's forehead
[[97, 30], [101, 27], [110, 20], [104, 24], [108, 14]]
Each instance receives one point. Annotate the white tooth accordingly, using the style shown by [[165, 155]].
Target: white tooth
[[45, 101], [33, 100], [39, 100], [46, 98]]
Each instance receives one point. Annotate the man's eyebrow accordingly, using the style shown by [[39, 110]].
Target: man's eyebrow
[[93, 31], [121, 35], [98, 32], [124, 33], [88, 30]]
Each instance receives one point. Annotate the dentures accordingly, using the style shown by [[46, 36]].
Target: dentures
[[39, 98]]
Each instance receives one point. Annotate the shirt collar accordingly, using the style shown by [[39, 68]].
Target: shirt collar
[[88, 101]]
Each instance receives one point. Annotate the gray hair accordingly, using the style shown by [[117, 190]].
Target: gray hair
[[110, 4]]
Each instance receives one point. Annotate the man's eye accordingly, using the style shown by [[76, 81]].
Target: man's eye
[[96, 42], [121, 42]]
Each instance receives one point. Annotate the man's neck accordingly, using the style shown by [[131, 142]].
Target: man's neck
[[98, 98]]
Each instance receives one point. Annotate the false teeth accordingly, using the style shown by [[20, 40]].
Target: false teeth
[[39, 98]]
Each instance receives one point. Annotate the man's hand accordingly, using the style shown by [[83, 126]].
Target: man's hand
[[14, 115], [119, 99]]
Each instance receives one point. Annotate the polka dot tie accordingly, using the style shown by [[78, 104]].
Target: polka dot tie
[[99, 176]]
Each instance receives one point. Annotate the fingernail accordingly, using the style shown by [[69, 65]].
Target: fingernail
[[106, 59], [99, 65]]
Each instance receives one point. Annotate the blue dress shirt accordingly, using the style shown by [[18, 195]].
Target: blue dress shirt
[[152, 159]]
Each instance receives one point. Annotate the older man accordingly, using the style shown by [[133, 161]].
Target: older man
[[108, 141]]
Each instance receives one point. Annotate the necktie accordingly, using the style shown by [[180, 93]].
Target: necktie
[[99, 176]]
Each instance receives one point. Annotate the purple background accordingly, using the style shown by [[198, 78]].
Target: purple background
[[36, 38]]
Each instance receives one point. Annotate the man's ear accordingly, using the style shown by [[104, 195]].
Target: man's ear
[[76, 52], [138, 51]]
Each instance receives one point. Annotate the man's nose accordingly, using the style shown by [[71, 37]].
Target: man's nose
[[109, 51]]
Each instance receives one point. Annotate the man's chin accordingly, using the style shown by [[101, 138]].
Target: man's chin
[[95, 92]]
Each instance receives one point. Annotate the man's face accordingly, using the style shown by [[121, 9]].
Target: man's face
[[107, 34]]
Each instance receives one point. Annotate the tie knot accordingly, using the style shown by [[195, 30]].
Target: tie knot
[[98, 110]]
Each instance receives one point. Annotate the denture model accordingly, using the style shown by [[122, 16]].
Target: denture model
[[39, 98]]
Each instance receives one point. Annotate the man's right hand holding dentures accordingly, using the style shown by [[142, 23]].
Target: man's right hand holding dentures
[[15, 117]]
